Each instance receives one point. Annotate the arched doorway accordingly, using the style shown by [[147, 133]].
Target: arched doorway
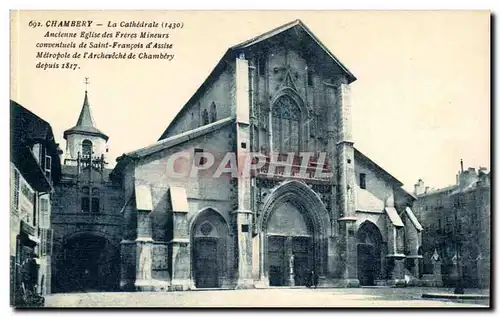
[[209, 235], [290, 243], [293, 230], [369, 249], [91, 263]]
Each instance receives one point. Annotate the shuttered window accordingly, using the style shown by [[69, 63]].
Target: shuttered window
[[15, 203], [46, 241], [44, 213]]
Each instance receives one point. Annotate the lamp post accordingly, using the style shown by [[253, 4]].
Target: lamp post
[[459, 287]]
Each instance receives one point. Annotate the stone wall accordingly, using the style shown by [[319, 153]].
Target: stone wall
[[69, 221], [216, 92]]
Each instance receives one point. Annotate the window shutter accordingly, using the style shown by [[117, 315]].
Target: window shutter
[[48, 167], [46, 245], [49, 241], [16, 190], [44, 213]]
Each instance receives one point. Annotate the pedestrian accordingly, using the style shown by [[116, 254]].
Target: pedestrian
[[312, 279], [315, 277]]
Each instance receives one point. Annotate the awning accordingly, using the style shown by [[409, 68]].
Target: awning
[[178, 199], [413, 219], [394, 217], [143, 198]]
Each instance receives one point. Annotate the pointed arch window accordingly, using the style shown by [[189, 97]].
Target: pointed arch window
[[87, 148], [213, 112], [286, 120], [205, 117]]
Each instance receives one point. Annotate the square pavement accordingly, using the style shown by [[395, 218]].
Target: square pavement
[[365, 297]]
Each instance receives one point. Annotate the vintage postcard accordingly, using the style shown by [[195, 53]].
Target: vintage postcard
[[250, 159]]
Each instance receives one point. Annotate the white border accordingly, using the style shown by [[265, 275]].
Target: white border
[[493, 5]]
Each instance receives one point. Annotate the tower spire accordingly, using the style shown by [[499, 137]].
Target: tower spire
[[85, 123], [86, 82], [85, 118]]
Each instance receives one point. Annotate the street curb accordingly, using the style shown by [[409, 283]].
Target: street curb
[[455, 296]]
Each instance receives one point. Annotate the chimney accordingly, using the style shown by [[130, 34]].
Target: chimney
[[419, 187], [483, 176], [461, 165], [467, 177], [482, 170]]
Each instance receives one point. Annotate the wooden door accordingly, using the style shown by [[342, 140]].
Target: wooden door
[[206, 267]]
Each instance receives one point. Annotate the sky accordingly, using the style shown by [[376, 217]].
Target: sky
[[421, 101]]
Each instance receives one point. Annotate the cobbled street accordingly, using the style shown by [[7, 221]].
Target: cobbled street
[[274, 297]]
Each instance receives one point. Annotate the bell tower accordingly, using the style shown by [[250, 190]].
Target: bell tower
[[84, 141]]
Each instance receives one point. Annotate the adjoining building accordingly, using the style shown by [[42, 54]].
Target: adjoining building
[[86, 216], [457, 228], [34, 169], [278, 93]]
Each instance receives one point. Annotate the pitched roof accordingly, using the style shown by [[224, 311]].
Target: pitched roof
[[179, 138], [285, 27], [382, 171], [27, 129], [85, 124], [220, 66], [413, 219], [394, 217]]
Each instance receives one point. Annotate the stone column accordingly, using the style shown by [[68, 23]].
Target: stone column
[[243, 214], [436, 272], [346, 181], [244, 249], [144, 256], [350, 275], [180, 254], [415, 269], [179, 246], [263, 281], [332, 159], [290, 259], [127, 265], [396, 257]]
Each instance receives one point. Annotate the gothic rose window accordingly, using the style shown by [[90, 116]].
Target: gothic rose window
[[286, 119]]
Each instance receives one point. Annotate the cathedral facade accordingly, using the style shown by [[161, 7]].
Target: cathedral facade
[[312, 206]]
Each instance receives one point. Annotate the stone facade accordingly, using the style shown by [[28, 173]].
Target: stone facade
[[86, 216], [187, 226], [457, 219], [34, 168]]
